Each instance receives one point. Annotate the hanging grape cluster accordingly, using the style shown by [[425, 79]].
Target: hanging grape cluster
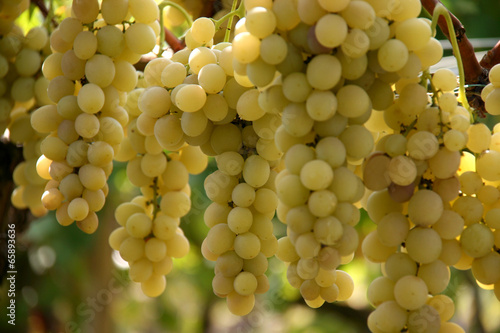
[[314, 110]]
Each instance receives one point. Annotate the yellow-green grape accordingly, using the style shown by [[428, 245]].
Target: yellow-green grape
[[144, 11], [153, 165], [220, 238], [445, 163], [358, 14], [479, 138], [477, 240], [86, 11], [53, 148], [36, 38], [90, 98], [256, 171], [71, 187], [59, 87], [140, 270], [423, 245], [380, 290], [154, 286], [328, 23], [430, 316], [85, 45], [296, 121], [95, 199], [486, 165], [140, 38], [245, 283], [175, 203], [200, 57], [247, 245], [87, 125], [203, 30], [316, 175], [164, 226], [155, 249], [190, 98], [444, 79], [410, 292], [125, 76], [353, 101], [358, 141], [100, 70], [114, 11], [374, 250], [240, 220], [393, 229], [168, 131], [248, 107], [240, 305], [28, 62], [78, 209], [246, 47], [485, 269], [413, 99], [173, 74], [92, 177], [389, 316], [414, 32], [100, 153], [212, 78], [428, 201], [77, 153], [72, 66], [436, 276], [356, 44], [273, 49], [178, 245], [392, 55], [139, 225], [296, 87], [260, 22], [422, 145], [323, 72], [321, 105], [89, 224], [23, 89], [454, 140]]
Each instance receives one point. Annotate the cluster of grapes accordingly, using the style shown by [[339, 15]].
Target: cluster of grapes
[[90, 72], [324, 102], [431, 207], [302, 122], [193, 98], [23, 89], [149, 235]]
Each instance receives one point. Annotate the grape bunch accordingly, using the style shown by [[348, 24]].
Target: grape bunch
[[205, 107], [22, 90], [149, 235], [302, 123], [90, 72]]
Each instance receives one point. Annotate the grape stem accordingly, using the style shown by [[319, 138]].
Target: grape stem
[[156, 207], [47, 13], [440, 10], [163, 30], [491, 58], [240, 12]]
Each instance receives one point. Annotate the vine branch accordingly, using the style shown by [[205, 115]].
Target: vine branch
[[44, 10]]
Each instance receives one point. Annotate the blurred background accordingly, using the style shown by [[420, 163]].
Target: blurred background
[[68, 281]]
